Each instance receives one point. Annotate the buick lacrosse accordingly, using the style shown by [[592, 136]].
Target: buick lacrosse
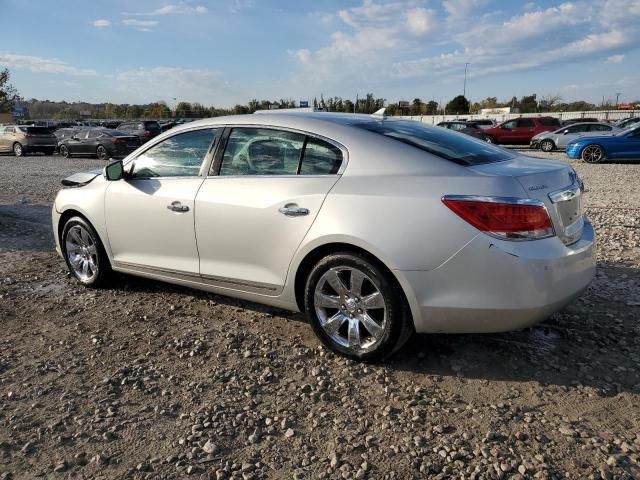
[[375, 227]]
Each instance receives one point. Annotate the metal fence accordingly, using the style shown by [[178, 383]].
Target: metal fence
[[606, 115]]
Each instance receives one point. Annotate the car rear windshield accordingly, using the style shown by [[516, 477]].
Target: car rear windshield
[[36, 130], [152, 125], [452, 146]]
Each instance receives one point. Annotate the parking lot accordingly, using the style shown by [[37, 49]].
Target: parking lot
[[147, 379]]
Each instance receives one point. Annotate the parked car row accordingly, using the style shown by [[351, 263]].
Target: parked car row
[[102, 142]]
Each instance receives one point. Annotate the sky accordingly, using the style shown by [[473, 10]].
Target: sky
[[223, 52]]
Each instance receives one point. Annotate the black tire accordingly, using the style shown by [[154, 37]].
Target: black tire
[[18, 149], [592, 154], [489, 139], [547, 145], [102, 153], [64, 151], [98, 267], [393, 325]]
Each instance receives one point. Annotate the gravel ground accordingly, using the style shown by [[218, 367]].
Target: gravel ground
[[148, 380]]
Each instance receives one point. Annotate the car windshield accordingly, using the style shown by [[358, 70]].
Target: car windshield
[[460, 149], [624, 133]]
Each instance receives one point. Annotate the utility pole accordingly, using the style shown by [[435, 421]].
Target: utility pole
[[617, 97], [464, 88]]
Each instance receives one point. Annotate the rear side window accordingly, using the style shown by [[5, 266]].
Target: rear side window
[[320, 158], [261, 151], [36, 130], [549, 122], [460, 149], [526, 123], [599, 128], [152, 126]]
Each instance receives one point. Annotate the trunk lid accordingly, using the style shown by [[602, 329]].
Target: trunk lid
[[553, 182]]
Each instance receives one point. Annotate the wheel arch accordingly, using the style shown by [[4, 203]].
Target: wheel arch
[[312, 257]]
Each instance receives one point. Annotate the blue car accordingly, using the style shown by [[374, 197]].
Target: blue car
[[621, 146]]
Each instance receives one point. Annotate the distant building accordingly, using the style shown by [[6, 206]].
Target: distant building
[[498, 111]]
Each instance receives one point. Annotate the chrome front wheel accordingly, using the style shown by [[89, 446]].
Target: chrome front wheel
[[84, 253], [592, 154], [547, 146]]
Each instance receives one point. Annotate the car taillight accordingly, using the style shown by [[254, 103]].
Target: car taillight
[[147, 133], [504, 218], [117, 140], [28, 135]]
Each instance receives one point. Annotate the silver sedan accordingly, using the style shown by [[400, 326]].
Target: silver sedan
[[375, 227], [558, 139]]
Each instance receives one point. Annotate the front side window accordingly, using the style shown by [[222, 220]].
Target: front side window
[[177, 156], [576, 129], [511, 124], [261, 151]]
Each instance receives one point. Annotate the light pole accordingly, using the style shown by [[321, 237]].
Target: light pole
[[617, 97], [464, 88]]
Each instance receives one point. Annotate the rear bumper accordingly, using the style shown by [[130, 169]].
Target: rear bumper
[[493, 286]]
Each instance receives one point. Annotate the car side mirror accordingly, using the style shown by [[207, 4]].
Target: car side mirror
[[565, 132], [114, 171]]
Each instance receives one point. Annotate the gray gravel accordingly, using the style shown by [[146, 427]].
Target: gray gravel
[[148, 380]]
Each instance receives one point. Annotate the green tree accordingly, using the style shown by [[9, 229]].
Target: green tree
[[458, 105], [528, 104], [8, 93], [416, 106], [133, 111], [183, 109], [431, 108]]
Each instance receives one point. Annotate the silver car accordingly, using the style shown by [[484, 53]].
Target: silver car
[[375, 227], [558, 139]]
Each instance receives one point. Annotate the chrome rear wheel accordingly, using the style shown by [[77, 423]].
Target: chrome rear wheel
[[351, 309]]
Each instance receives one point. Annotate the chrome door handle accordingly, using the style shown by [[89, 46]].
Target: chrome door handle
[[177, 207], [293, 210]]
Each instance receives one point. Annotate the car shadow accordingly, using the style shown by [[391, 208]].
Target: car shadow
[[593, 342], [26, 227]]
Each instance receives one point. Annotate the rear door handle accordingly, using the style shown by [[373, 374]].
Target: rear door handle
[[177, 207], [293, 210]]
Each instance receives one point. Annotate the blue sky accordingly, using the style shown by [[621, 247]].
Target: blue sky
[[226, 52]]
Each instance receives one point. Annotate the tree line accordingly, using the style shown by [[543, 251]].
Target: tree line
[[368, 103]]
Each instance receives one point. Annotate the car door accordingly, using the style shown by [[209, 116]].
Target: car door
[[629, 148], [254, 211], [4, 139], [570, 133], [75, 143], [508, 133], [150, 213], [525, 130]]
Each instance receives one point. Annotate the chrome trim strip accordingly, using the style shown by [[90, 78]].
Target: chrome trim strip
[[210, 279], [488, 199]]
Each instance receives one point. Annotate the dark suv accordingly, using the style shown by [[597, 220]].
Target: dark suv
[[521, 130], [144, 129]]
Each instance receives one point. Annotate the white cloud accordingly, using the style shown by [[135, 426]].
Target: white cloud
[[171, 9], [101, 23], [132, 22], [420, 20], [615, 58], [41, 65]]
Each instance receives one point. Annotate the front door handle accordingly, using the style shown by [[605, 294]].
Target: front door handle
[[177, 207], [293, 210]]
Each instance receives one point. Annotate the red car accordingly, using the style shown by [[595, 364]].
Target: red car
[[521, 130]]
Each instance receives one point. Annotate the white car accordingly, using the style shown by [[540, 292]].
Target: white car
[[375, 227]]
